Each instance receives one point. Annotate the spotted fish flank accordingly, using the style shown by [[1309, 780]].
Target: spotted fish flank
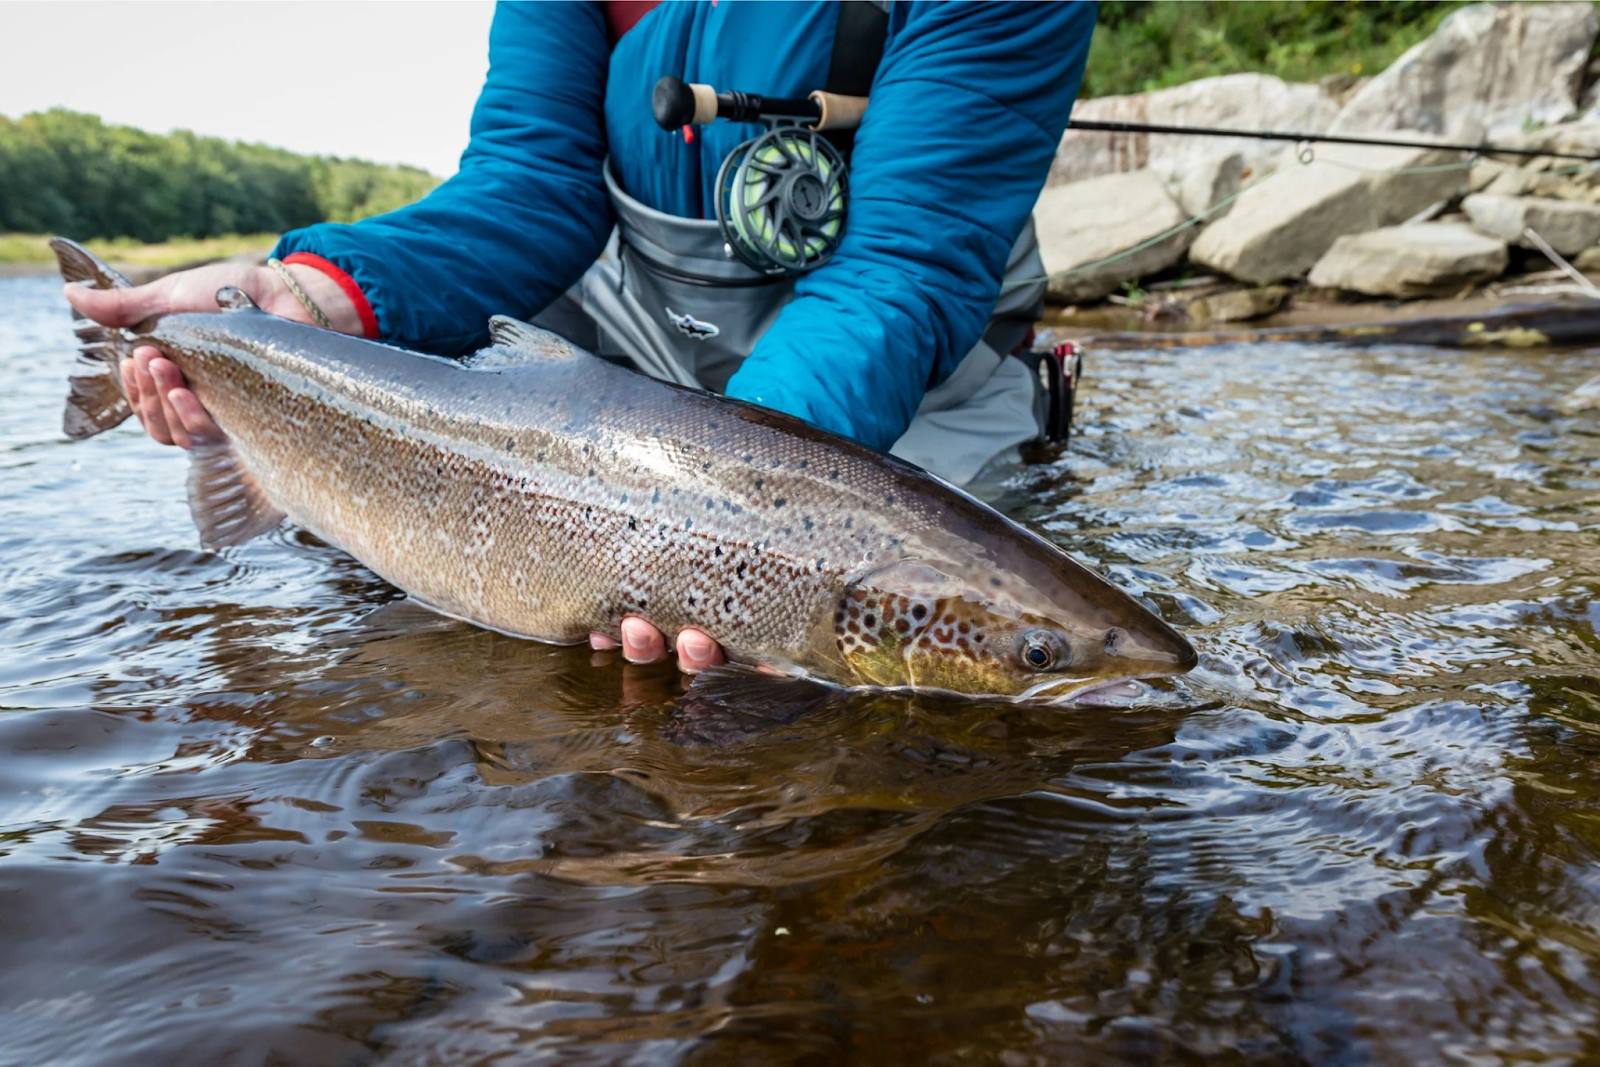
[[539, 491]]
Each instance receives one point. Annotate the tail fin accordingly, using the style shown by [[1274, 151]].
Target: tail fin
[[95, 401], [78, 264]]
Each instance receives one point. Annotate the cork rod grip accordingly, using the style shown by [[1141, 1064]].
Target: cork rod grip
[[838, 112], [705, 104]]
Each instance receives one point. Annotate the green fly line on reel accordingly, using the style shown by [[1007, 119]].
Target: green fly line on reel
[[781, 200], [781, 197]]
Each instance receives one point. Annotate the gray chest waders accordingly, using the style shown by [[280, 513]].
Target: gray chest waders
[[686, 300]]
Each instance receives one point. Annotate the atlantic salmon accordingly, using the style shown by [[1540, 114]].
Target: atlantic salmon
[[544, 492]]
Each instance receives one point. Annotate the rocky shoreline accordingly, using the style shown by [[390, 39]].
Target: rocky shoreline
[[1186, 231]]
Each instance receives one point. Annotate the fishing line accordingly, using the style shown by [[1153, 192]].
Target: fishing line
[[1097, 126], [782, 197]]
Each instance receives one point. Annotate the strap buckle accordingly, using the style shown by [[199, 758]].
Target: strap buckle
[[1059, 370]]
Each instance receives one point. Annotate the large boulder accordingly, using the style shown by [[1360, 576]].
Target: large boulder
[[1489, 69], [1280, 227], [1091, 220], [1569, 226], [1242, 101], [1428, 259]]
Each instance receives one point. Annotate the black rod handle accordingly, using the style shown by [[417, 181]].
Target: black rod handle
[[676, 103]]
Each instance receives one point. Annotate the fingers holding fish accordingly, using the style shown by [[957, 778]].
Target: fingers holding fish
[[697, 651], [128, 371], [187, 418], [169, 380], [643, 642], [148, 406], [160, 396]]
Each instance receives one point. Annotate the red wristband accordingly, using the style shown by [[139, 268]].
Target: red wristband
[[369, 321]]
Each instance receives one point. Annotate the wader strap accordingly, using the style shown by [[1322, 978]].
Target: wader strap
[[857, 51]]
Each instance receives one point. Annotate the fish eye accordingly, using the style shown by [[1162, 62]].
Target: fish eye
[[1040, 650]]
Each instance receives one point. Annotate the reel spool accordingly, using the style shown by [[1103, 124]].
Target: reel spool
[[781, 200]]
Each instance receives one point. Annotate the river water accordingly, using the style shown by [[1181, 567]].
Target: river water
[[255, 809]]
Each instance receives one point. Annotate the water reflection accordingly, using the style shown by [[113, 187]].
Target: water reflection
[[254, 809]]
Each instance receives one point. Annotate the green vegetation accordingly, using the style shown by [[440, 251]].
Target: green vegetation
[[1141, 45], [66, 172], [28, 249]]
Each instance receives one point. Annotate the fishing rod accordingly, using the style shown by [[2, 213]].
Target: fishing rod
[[1324, 138]]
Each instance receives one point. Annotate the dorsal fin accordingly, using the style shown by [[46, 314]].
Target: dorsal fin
[[519, 343], [78, 264]]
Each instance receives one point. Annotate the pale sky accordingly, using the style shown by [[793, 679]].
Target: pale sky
[[388, 80]]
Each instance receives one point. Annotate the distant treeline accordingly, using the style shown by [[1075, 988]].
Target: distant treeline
[[67, 172]]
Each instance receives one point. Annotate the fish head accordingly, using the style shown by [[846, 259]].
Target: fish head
[[967, 627]]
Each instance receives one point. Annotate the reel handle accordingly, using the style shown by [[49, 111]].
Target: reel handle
[[676, 103]]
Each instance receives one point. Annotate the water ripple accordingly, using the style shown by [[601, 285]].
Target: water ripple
[[256, 808]]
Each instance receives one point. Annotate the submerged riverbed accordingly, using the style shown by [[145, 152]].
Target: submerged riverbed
[[253, 809]]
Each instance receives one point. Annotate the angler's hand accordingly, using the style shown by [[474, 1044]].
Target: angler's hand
[[643, 643], [154, 385]]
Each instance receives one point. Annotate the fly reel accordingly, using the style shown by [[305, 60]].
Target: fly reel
[[781, 197], [781, 200]]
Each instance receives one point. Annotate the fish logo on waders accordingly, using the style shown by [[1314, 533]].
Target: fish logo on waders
[[690, 326]]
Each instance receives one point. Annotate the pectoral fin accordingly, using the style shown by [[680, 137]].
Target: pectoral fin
[[228, 505], [728, 703]]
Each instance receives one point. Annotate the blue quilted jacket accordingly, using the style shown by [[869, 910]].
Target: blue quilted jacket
[[968, 105]]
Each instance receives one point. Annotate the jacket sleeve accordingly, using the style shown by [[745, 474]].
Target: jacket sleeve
[[967, 108], [526, 214]]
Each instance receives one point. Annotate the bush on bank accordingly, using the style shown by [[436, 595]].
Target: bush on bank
[[1140, 45]]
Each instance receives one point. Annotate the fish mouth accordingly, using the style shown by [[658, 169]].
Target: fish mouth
[[1050, 683], [1117, 693], [1121, 692]]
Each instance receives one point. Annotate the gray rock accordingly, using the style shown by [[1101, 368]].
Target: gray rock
[[1484, 171], [1569, 226], [1511, 181], [1090, 220], [1488, 68], [1587, 261], [1582, 137], [1427, 259], [1248, 101], [1559, 187], [1238, 305], [1281, 227], [1206, 182]]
